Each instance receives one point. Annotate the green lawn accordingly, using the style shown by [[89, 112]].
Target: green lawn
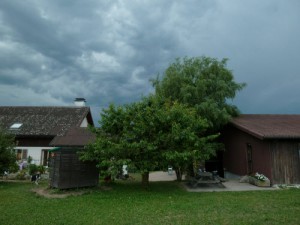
[[164, 203]]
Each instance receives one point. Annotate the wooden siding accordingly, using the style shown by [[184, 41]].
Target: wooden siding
[[235, 154], [278, 159], [286, 162], [34, 141], [67, 171]]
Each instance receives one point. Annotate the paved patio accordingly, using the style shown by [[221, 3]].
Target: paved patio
[[230, 185]]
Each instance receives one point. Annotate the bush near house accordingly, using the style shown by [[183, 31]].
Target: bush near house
[[33, 169], [7, 156]]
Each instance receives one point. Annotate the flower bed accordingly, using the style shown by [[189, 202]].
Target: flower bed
[[259, 180]]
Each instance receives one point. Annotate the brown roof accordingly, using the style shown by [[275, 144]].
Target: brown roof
[[42, 121], [76, 136], [269, 126]]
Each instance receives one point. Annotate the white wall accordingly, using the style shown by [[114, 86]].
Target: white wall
[[34, 152], [84, 123]]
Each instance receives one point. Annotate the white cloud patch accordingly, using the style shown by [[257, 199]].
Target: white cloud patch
[[98, 62]]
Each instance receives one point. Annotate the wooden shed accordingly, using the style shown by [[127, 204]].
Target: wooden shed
[[267, 144], [66, 170]]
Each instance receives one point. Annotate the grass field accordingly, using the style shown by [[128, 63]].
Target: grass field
[[164, 203]]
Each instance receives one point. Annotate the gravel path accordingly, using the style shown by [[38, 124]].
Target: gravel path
[[162, 176]]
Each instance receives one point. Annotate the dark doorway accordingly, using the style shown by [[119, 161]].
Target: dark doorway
[[215, 164], [249, 159]]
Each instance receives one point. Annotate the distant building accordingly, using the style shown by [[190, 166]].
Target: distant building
[[35, 127], [267, 144]]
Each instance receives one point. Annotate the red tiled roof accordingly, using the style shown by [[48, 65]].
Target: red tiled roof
[[269, 126]]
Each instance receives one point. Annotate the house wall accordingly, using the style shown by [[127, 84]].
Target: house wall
[[236, 157], [34, 152], [34, 147], [34, 141], [84, 123]]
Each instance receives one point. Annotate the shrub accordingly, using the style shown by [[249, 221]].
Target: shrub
[[29, 159], [14, 168], [33, 169], [21, 175], [41, 169]]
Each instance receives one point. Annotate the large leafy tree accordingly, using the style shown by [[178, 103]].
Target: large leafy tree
[[7, 156], [176, 126], [150, 134], [204, 83]]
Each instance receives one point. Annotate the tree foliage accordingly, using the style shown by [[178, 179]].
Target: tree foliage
[[204, 83], [177, 125], [7, 156], [151, 134]]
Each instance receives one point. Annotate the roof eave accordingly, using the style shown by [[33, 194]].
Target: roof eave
[[255, 134]]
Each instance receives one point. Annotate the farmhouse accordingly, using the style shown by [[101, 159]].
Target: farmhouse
[[267, 144], [35, 127]]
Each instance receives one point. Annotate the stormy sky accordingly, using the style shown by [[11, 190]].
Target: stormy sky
[[106, 51]]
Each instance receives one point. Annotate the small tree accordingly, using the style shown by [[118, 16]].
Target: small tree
[[7, 156]]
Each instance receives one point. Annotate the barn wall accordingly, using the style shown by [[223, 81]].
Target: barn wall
[[235, 155], [286, 161]]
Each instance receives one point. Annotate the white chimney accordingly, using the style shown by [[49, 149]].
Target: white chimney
[[79, 102]]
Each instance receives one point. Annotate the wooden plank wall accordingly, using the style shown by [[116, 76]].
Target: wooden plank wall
[[285, 162], [67, 171], [54, 169]]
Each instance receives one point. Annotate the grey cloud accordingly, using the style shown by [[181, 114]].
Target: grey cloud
[[106, 51]]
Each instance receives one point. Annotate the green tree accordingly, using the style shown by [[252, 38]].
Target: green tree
[[204, 83], [7, 156], [150, 134], [185, 141]]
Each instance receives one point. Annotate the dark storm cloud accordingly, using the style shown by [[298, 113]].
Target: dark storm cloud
[[106, 51]]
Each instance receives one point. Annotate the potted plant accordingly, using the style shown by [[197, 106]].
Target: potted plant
[[259, 180]]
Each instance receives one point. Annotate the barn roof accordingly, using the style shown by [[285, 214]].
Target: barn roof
[[76, 136], [42, 121], [269, 126]]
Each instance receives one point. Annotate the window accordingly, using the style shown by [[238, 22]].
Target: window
[[21, 154], [16, 126]]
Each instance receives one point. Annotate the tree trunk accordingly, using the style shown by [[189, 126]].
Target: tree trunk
[[178, 174], [145, 179]]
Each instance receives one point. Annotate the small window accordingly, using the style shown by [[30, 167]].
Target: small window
[[21, 154], [16, 126]]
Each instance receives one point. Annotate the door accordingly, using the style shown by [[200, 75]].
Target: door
[[249, 159], [45, 157]]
